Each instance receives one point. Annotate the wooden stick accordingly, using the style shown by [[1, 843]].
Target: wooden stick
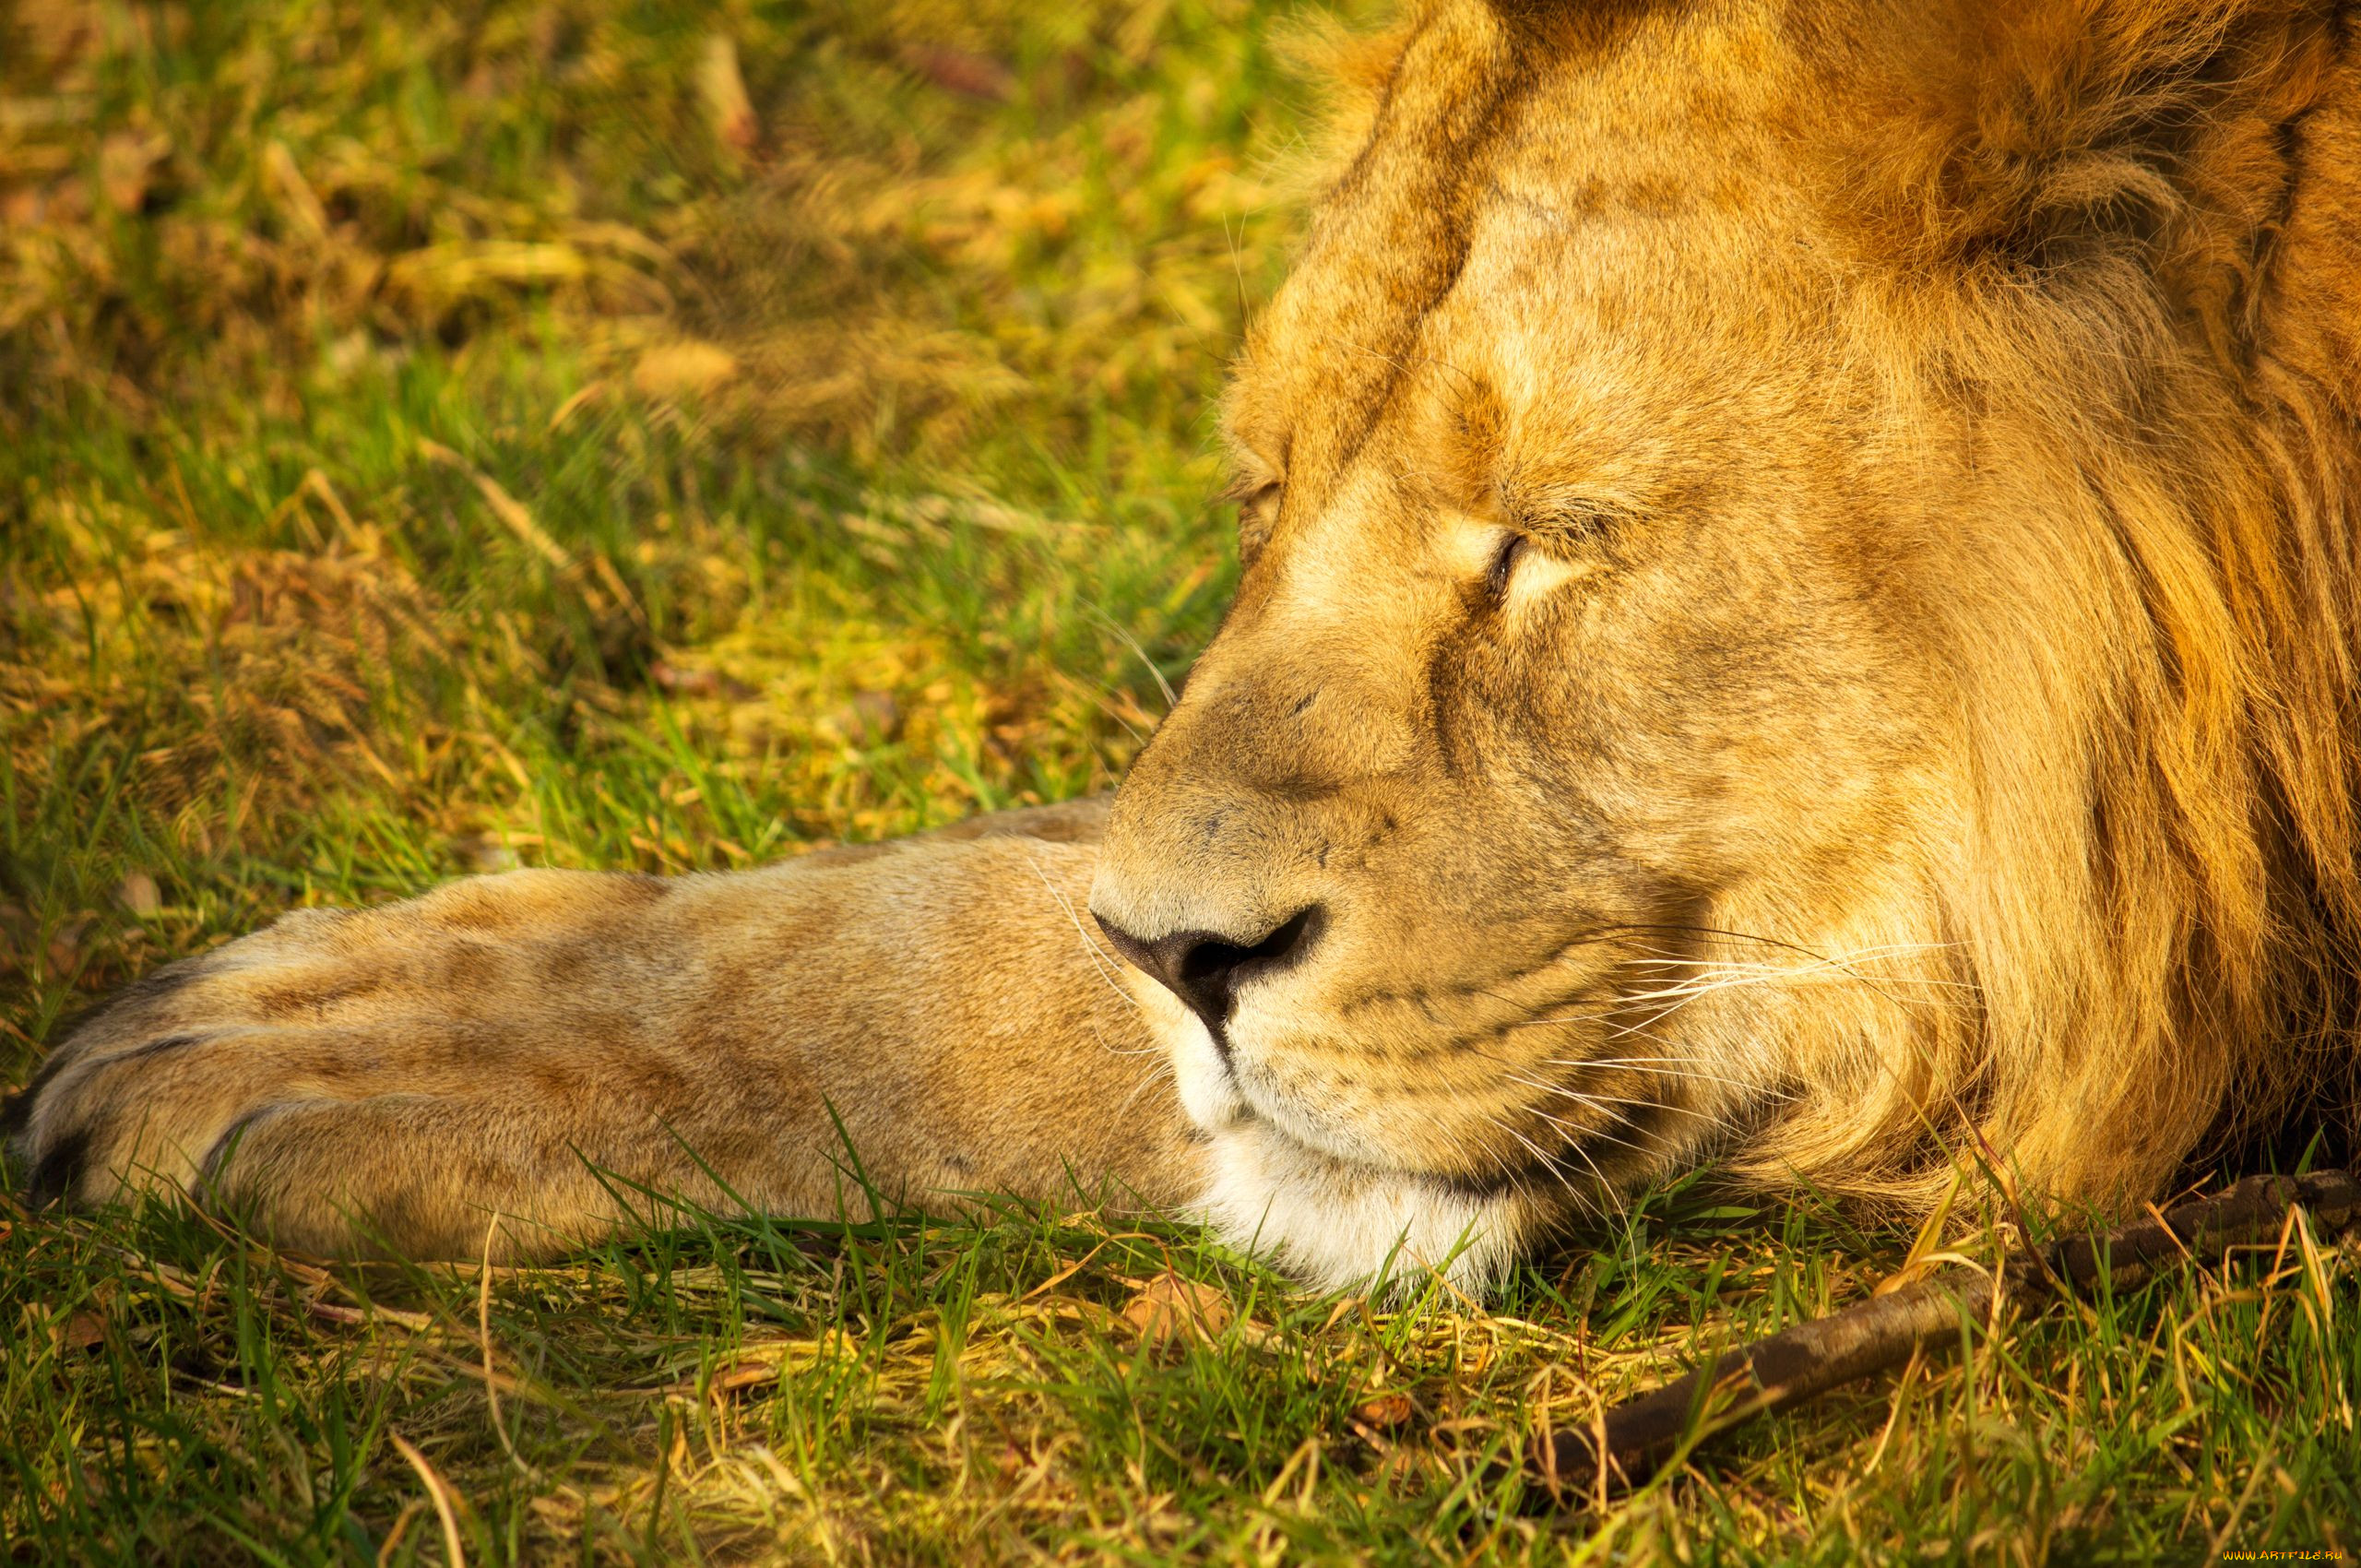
[[1814, 1357]]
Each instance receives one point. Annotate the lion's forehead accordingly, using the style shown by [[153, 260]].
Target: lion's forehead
[[1609, 254]]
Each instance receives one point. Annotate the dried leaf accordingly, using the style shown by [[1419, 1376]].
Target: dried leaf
[[138, 893], [668, 370], [723, 87], [956, 70], [871, 718], [84, 1330], [66, 948], [1170, 1309]]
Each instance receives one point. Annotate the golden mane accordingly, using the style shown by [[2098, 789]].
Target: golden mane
[[2133, 232], [2126, 236]]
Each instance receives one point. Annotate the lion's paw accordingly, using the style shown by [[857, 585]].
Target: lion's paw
[[346, 1080]]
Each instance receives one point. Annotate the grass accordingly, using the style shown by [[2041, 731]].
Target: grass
[[624, 432]]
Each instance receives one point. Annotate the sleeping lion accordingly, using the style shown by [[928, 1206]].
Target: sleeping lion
[[1797, 612]]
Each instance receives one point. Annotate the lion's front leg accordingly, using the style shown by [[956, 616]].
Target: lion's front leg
[[538, 1049]]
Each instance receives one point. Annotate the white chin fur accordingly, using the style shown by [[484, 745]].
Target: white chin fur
[[1340, 1226], [1333, 1224]]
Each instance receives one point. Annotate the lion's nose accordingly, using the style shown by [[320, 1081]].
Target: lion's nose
[[1203, 968]]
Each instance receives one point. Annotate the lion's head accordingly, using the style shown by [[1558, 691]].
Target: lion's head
[[1796, 608]]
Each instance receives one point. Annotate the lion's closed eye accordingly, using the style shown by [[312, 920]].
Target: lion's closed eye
[[1535, 551], [1512, 550]]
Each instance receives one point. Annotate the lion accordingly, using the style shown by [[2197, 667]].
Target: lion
[[1795, 614]]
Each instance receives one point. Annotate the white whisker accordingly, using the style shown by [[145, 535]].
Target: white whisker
[[1544, 1161], [1097, 960], [1575, 1135], [1640, 1065], [1162, 1070]]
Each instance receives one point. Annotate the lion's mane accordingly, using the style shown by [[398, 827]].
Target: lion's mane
[[2126, 237]]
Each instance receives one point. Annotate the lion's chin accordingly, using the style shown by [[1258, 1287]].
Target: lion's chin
[[1340, 1226], [1334, 1221]]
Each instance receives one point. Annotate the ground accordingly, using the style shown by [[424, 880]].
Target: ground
[[634, 433]]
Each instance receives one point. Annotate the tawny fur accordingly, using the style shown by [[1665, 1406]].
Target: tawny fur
[[556, 1050], [1796, 611]]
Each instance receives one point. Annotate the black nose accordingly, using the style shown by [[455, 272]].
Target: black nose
[[1204, 970]]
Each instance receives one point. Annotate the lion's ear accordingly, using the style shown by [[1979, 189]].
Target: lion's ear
[[2034, 134]]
